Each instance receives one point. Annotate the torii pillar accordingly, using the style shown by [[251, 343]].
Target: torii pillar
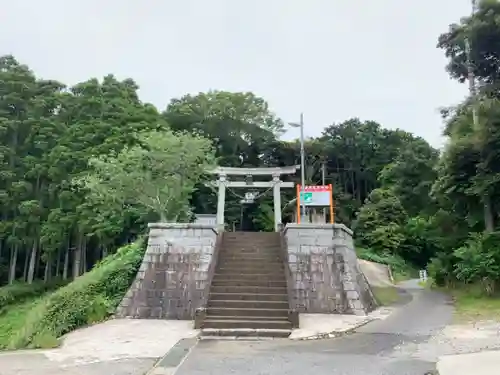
[[276, 184]]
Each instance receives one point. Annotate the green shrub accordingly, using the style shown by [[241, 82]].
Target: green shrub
[[397, 264], [90, 298], [379, 223], [18, 292], [478, 261]]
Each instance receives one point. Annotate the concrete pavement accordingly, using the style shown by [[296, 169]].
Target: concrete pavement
[[408, 342], [116, 347], [484, 363], [373, 349]]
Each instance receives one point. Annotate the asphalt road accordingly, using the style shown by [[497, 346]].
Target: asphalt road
[[372, 350]]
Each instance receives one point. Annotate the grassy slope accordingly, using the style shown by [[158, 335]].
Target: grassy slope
[[39, 319], [386, 296], [400, 269], [13, 318]]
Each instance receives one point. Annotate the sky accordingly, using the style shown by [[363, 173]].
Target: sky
[[330, 59]]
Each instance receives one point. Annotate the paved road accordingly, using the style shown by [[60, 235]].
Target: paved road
[[29, 363], [373, 349]]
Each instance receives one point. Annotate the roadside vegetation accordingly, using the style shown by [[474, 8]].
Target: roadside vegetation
[[38, 321], [387, 295]]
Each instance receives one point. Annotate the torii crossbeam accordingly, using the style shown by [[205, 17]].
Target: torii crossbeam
[[276, 183]]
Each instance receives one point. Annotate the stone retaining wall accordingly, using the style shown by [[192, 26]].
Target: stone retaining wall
[[172, 279], [325, 270]]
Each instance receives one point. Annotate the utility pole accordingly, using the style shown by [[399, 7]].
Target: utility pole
[[302, 167], [323, 182], [488, 215], [470, 73]]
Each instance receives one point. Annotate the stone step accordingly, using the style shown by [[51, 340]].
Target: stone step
[[226, 281], [239, 264], [253, 318], [248, 261], [225, 311], [248, 297], [250, 244], [253, 269], [244, 243], [253, 236], [235, 289], [244, 334], [214, 322], [234, 249], [236, 258], [258, 255], [245, 304], [274, 276]]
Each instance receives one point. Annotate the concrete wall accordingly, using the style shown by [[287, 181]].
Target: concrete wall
[[172, 279], [325, 270]]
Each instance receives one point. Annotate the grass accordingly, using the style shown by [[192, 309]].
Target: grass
[[36, 316], [89, 299], [473, 306], [471, 303], [386, 296], [13, 318], [400, 269]]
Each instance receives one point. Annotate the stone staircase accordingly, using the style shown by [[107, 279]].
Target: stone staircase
[[248, 295]]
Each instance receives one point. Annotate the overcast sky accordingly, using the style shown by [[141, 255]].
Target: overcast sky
[[332, 59]]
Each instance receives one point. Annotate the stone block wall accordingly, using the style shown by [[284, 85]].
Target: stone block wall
[[171, 281], [325, 270]]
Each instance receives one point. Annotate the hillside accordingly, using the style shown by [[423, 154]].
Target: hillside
[[36, 316]]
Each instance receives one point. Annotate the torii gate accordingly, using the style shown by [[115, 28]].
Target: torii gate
[[276, 184]]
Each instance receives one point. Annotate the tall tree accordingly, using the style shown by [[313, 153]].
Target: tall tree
[[158, 176]]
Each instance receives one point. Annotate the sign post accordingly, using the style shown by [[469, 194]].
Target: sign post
[[315, 196]]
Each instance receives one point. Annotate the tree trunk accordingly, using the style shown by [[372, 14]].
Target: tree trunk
[[489, 219], [32, 264], [58, 263], [46, 272], [25, 269], [83, 268], [13, 265], [77, 260], [66, 264]]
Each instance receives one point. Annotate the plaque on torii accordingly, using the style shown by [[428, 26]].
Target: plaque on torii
[[276, 183]]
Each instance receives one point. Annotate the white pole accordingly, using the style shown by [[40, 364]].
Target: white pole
[[302, 169]]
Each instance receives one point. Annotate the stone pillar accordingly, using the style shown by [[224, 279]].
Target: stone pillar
[[325, 270], [221, 201], [172, 279], [277, 201]]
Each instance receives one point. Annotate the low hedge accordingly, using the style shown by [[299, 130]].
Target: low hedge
[[91, 298]]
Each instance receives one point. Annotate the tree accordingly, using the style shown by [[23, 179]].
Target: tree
[[411, 176], [379, 222], [483, 33], [240, 124], [158, 176], [355, 152]]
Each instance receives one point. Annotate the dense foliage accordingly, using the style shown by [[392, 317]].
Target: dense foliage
[[84, 168], [90, 298]]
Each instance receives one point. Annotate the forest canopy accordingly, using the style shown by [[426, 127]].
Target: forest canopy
[[86, 167]]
